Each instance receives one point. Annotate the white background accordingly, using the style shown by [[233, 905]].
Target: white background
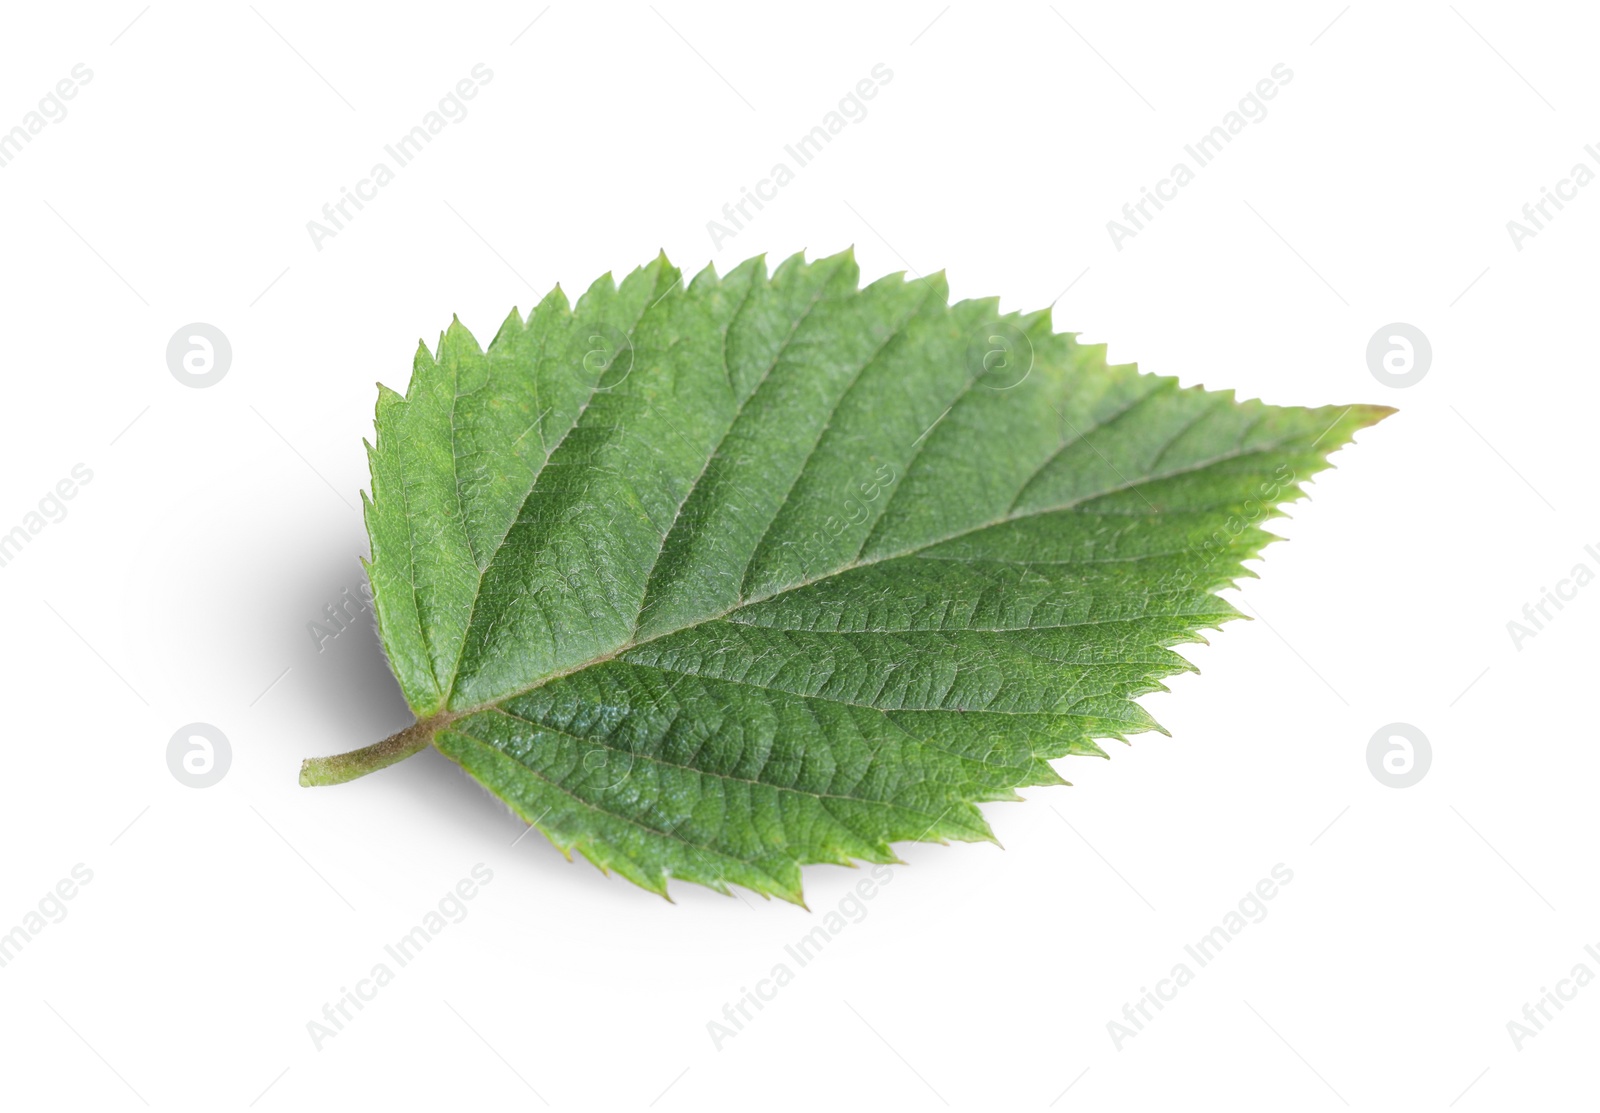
[[220, 521]]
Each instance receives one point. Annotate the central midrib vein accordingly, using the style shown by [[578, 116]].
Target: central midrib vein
[[448, 714]]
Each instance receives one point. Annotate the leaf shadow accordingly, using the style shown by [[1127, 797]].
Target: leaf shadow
[[346, 686]]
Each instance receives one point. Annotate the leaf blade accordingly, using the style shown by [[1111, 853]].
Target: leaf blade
[[818, 571]]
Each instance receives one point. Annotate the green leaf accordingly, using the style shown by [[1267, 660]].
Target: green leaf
[[711, 581]]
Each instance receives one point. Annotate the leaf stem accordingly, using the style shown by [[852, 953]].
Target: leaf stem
[[340, 768]]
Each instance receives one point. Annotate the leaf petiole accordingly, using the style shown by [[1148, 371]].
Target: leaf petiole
[[339, 768]]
